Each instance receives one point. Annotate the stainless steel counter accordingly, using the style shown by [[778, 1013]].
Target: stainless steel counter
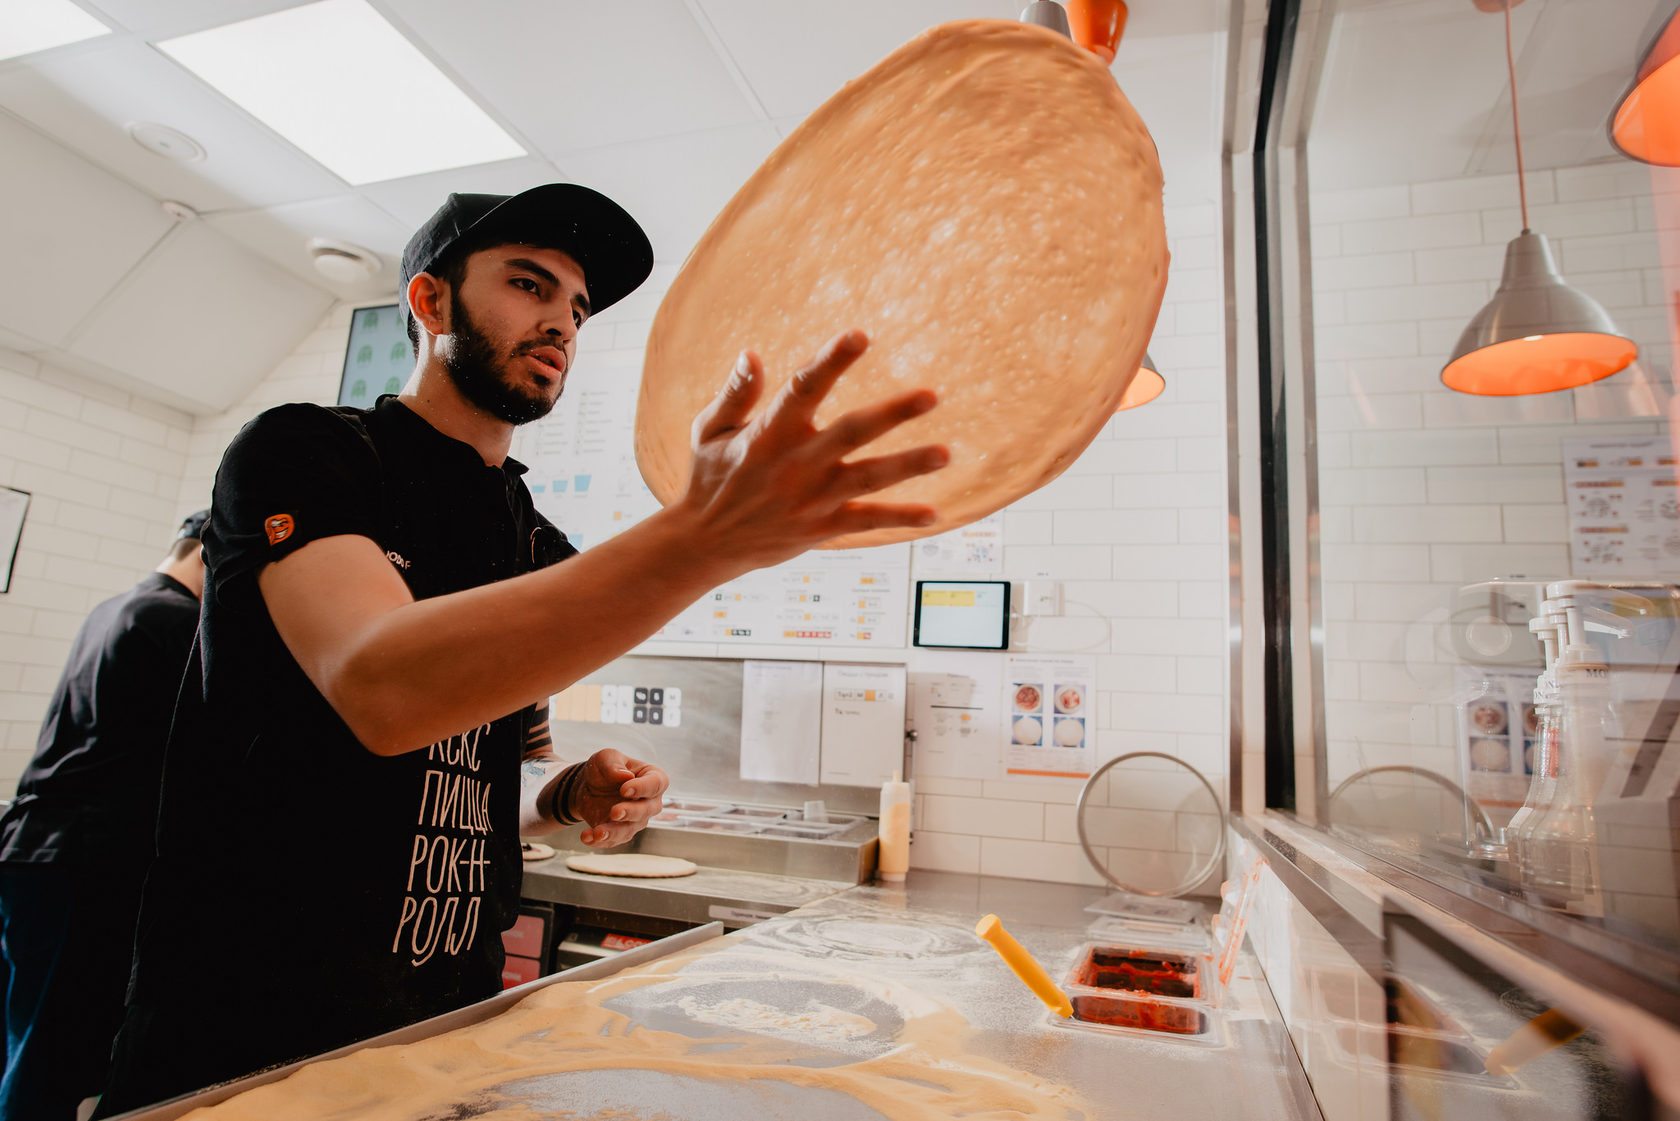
[[725, 895], [864, 988]]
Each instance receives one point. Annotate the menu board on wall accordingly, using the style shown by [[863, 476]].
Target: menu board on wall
[[852, 597], [583, 477], [581, 458], [1624, 507]]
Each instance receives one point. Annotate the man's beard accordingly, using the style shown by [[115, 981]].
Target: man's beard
[[474, 366]]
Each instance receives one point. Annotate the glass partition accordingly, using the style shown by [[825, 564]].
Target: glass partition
[[1496, 571]]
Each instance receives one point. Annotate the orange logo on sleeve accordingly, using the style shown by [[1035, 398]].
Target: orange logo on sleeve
[[278, 528]]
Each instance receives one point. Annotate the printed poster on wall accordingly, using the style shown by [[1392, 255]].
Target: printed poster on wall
[[1050, 717], [972, 550], [1498, 732], [1624, 507]]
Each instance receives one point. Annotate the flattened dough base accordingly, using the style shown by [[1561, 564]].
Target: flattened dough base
[[641, 865], [985, 204]]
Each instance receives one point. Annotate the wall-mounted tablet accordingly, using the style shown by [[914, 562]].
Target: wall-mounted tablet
[[962, 614]]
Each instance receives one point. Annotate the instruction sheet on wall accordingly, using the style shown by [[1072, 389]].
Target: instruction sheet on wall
[[1624, 506], [862, 724], [1050, 706], [781, 721], [957, 713]]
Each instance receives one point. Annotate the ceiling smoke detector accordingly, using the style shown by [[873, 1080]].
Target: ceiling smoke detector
[[161, 140], [342, 262]]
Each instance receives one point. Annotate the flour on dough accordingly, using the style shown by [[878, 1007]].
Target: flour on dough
[[639, 864]]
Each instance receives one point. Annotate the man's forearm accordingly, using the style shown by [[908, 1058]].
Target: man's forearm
[[431, 668]]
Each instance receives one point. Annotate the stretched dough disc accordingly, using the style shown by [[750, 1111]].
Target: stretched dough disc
[[986, 204], [639, 864], [535, 850]]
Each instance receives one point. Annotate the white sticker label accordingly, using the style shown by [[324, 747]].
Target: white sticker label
[[738, 914]]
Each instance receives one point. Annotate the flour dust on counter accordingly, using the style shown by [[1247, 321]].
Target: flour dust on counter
[[671, 1040]]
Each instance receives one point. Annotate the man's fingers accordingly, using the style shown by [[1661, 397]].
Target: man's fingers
[[866, 476], [862, 426], [804, 391], [856, 517], [732, 406], [649, 781]]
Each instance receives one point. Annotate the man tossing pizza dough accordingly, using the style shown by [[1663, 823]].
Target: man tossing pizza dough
[[986, 205]]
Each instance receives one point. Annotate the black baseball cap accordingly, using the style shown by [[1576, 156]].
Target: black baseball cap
[[597, 232], [192, 525]]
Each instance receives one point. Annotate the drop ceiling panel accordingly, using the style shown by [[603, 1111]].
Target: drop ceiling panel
[[84, 100], [70, 231], [412, 200], [574, 74], [161, 19], [796, 55], [203, 319], [282, 233], [676, 186]]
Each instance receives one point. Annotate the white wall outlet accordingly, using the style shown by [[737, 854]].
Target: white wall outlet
[[1041, 597]]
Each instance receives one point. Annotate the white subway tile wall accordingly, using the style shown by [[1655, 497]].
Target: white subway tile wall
[[103, 468], [1422, 489]]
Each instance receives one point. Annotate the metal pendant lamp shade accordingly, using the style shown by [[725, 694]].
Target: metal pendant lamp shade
[[1047, 13], [1145, 387], [1537, 334], [1646, 123]]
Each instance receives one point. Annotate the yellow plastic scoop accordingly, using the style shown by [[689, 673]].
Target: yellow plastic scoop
[[1548, 1030], [1026, 967]]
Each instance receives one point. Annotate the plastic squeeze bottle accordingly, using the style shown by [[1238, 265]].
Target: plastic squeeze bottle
[[894, 859]]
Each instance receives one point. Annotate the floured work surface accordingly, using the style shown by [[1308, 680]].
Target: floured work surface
[[683, 1037], [986, 205]]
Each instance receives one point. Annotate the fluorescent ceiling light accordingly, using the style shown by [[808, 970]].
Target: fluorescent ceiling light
[[36, 25], [344, 85]]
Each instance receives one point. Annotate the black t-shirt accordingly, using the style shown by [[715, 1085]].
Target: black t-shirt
[[89, 793], [304, 884]]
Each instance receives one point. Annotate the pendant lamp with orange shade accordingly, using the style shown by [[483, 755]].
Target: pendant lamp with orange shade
[[1145, 387], [1645, 124], [1097, 25], [1537, 334]]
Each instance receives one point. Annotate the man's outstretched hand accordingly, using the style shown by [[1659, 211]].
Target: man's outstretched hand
[[773, 485]]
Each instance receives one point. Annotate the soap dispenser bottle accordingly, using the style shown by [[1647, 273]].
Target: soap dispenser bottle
[[894, 858]]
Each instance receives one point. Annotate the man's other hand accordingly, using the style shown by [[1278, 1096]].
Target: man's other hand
[[616, 796]]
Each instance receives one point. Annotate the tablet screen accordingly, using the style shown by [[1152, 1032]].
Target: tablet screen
[[963, 614]]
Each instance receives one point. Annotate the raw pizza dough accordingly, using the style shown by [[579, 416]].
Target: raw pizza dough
[[986, 205], [639, 864]]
